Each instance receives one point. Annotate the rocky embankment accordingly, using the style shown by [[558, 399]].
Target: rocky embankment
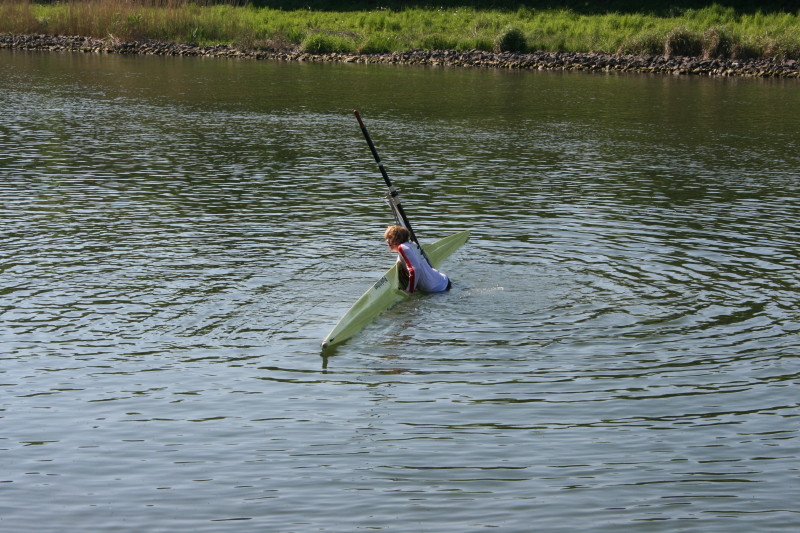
[[564, 61]]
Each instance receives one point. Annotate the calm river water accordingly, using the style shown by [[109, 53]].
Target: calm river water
[[619, 352]]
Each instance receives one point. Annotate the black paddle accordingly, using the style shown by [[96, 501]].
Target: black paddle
[[394, 195]]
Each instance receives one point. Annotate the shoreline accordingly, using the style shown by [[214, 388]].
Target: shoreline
[[550, 61]]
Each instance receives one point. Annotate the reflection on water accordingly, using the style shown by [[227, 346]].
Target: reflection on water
[[618, 351]]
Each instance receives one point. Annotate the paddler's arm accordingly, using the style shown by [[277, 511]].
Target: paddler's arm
[[409, 270]]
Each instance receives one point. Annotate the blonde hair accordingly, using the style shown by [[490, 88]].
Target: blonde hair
[[396, 235]]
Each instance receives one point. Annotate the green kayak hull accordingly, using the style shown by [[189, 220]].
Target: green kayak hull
[[385, 292]]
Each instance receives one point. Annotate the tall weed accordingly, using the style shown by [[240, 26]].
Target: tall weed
[[380, 43], [325, 43], [647, 43]]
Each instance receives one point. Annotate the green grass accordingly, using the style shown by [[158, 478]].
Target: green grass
[[712, 31]]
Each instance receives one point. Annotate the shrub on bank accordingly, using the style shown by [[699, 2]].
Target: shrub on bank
[[717, 43], [511, 40], [682, 42], [781, 48]]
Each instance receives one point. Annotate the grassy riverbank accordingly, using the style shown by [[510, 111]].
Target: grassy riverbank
[[713, 31]]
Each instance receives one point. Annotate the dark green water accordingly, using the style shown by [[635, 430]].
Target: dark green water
[[620, 351]]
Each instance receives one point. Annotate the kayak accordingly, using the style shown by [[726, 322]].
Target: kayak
[[386, 292]]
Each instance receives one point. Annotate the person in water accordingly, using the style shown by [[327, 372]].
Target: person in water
[[421, 275]]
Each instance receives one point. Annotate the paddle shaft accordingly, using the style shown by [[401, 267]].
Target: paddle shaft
[[392, 191]]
